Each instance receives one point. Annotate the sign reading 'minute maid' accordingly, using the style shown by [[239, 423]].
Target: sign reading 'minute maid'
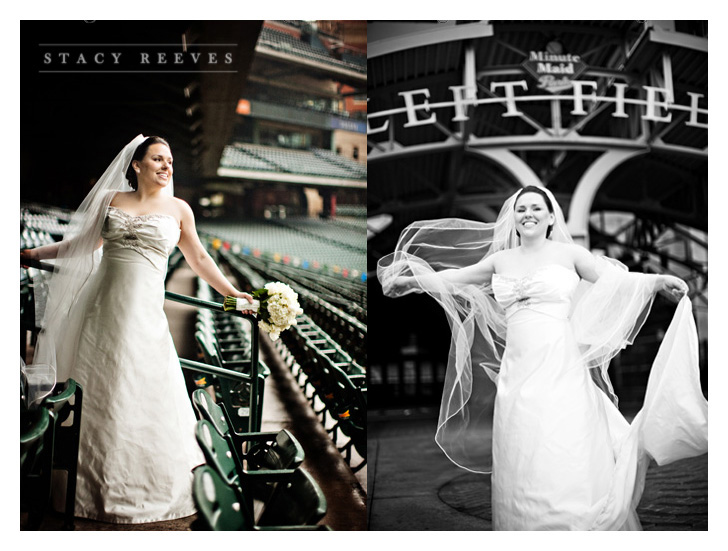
[[554, 72]]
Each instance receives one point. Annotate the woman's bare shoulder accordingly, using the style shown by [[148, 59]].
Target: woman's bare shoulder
[[182, 210], [567, 248], [579, 251], [500, 259], [180, 205], [117, 197]]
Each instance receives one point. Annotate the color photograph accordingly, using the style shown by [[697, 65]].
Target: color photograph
[[193, 280]]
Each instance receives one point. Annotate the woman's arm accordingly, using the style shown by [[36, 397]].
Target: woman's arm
[[585, 266], [480, 273], [66, 247], [48, 251], [199, 259]]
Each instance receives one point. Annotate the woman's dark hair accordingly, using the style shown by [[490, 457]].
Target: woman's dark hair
[[139, 155], [546, 198]]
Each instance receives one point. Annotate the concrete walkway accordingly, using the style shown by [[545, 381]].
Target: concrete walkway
[[413, 486]]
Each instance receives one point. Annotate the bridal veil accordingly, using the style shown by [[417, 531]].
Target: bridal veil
[[605, 316], [78, 258]]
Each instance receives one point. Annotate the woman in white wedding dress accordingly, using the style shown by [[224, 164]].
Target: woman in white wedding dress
[[535, 321], [137, 447]]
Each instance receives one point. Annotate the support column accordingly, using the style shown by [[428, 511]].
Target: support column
[[329, 200], [586, 190]]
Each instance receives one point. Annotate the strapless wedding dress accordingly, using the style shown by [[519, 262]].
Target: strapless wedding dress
[[137, 445], [564, 458]]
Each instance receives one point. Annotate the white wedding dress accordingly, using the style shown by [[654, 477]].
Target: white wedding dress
[[564, 458], [137, 445]]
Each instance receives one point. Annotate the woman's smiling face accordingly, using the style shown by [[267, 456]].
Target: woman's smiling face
[[156, 166], [532, 215]]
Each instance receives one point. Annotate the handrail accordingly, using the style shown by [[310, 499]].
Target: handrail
[[253, 420]]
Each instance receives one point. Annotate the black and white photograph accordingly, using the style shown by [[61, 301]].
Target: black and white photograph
[[193, 279], [537, 250]]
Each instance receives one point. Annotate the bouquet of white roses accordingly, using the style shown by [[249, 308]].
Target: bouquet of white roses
[[276, 304]]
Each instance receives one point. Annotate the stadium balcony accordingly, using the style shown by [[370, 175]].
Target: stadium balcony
[[302, 102], [317, 162], [284, 42]]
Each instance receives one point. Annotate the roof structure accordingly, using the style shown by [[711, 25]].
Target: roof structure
[[610, 115]]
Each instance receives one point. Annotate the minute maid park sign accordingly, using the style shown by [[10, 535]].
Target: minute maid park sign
[[554, 72]]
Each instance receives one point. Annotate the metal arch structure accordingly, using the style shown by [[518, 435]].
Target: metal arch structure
[[457, 120]]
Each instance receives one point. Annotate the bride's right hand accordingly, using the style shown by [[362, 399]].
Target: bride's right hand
[[402, 284], [26, 255]]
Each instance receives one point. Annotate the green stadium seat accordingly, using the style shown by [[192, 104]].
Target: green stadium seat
[[66, 402], [288, 496], [36, 463], [219, 507], [262, 450], [227, 461], [297, 501]]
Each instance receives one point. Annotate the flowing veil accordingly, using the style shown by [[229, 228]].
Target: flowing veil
[[77, 260], [605, 316]]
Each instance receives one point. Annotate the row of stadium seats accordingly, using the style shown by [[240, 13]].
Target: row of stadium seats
[[251, 481], [328, 375], [31, 238], [346, 330], [277, 159], [357, 168], [351, 216], [347, 294], [43, 222], [265, 239], [344, 235], [333, 383], [225, 341], [284, 42], [339, 306]]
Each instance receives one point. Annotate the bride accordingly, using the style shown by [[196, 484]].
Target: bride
[[535, 320], [105, 327]]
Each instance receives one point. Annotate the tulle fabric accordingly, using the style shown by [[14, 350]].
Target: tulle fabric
[[78, 258], [606, 316]]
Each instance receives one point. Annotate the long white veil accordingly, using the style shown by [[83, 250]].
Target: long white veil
[[606, 316], [78, 258]]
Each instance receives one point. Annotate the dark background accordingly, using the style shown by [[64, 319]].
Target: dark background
[[74, 124]]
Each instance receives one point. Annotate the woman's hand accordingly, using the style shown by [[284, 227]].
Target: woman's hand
[[400, 284], [403, 284], [674, 286], [26, 256], [246, 296]]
